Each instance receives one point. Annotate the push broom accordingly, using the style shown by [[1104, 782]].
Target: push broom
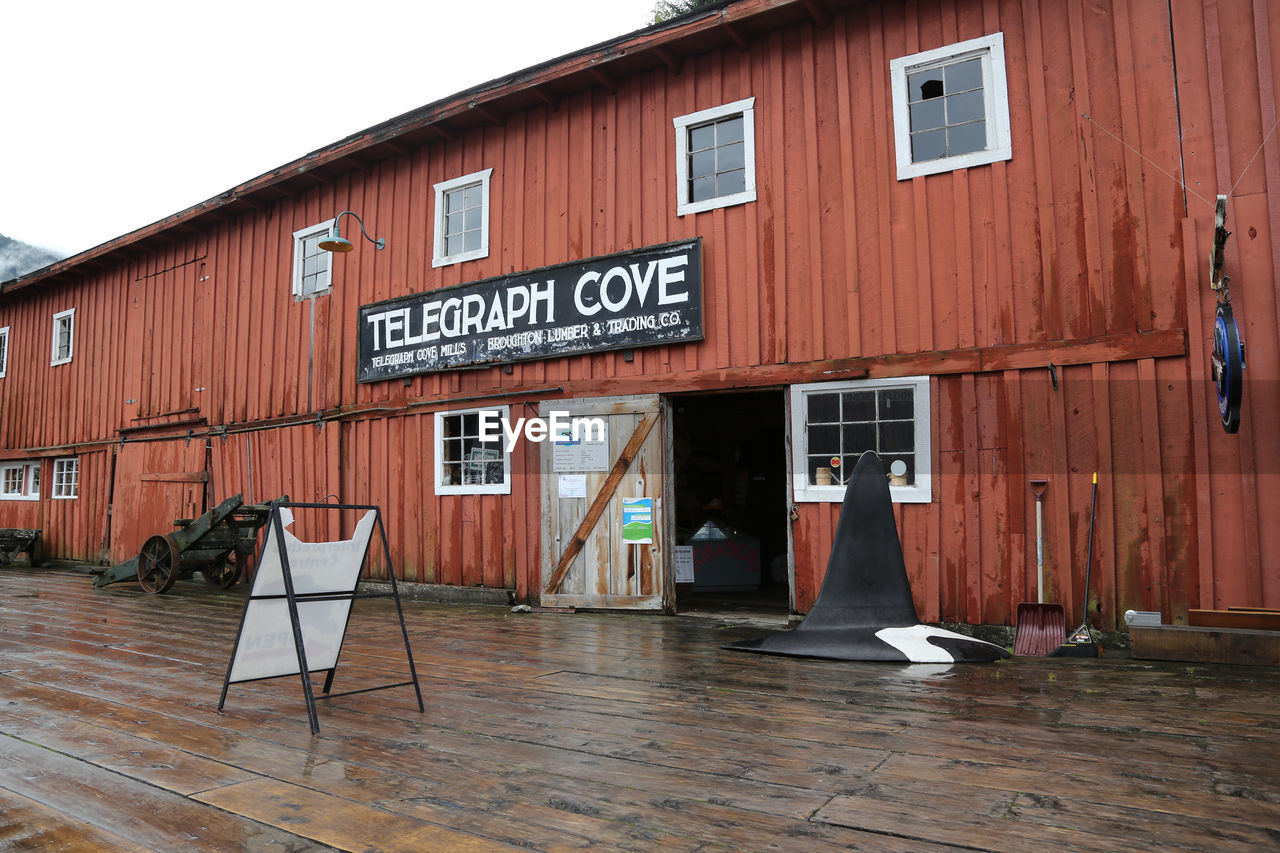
[[1080, 644]]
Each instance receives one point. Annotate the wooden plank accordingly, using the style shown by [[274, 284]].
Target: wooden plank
[[339, 822], [1206, 645], [1253, 620]]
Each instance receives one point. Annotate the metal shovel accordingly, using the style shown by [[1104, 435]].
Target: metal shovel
[[1040, 627]]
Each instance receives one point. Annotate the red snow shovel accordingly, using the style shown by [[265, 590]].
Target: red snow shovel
[[1041, 627]]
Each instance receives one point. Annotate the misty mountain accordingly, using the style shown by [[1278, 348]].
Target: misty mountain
[[17, 258]]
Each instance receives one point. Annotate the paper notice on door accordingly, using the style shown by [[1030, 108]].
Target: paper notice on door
[[573, 485], [684, 564]]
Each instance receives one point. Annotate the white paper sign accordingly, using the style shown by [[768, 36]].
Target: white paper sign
[[684, 564], [569, 454], [266, 648], [573, 485]]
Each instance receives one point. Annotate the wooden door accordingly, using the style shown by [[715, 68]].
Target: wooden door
[[156, 482], [585, 487]]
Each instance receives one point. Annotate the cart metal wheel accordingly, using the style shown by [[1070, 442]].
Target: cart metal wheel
[[226, 570], [158, 565]]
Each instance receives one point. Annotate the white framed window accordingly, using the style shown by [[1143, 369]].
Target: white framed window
[[951, 107], [466, 464], [311, 265], [462, 219], [4, 351], [716, 157], [64, 327], [833, 423], [20, 481], [66, 478]]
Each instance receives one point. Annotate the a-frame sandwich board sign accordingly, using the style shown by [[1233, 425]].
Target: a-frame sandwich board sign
[[299, 607]]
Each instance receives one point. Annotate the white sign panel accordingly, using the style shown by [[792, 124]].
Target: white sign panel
[[266, 648], [573, 485], [584, 451], [684, 564]]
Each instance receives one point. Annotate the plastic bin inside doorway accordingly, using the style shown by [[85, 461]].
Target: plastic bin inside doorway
[[724, 559]]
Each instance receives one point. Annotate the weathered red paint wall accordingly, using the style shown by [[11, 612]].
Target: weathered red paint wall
[[1077, 236]]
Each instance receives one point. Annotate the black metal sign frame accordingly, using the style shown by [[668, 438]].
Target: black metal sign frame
[[292, 598], [645, 297]]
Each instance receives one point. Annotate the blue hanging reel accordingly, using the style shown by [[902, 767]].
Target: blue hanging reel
[[1227, 358]]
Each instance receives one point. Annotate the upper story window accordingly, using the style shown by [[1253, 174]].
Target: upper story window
[[466, 462], [4, 351], [462, 219], [716, 157], [66, 478], [19, 481], [833, 423], [951, 107], [64, 325], [311, 264]]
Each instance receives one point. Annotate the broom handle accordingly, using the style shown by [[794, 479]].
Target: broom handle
[[1088, 562]]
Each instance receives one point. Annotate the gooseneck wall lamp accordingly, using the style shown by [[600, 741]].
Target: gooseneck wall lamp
[[335, 242]]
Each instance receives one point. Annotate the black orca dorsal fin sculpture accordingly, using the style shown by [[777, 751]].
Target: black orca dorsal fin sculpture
[[864, 610]]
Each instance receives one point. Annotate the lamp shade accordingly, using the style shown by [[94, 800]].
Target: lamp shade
[[334, 243]]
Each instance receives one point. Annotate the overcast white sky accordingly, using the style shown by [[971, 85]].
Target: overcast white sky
[[117, 114]]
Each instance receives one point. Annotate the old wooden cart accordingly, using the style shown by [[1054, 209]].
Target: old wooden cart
[[218, 544]]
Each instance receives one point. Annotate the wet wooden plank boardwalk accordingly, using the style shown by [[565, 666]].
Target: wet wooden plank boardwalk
[[602, 732]]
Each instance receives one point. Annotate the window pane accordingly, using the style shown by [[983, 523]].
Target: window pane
[[928, 146], [471, 241], [453, 223], [908, 459], [453, 201], [824, 439], [897, 403], [927, 115], [964, 75], [310, 266], [702, 163], [859, 437], [730, 183], [472, 195], [962, 108], [859, 406], [967, 137], [897, 436], [730, 157], [729, 130], [471, 424], [471, 219], [703, 188], [827, 477], [823, 408], [702, 137], [453, 245], [311, 245], [924, 85]]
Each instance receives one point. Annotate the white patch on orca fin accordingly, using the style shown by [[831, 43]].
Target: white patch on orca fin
[[914, 642]]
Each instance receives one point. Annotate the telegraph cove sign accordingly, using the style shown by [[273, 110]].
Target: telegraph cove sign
[[633, 299]]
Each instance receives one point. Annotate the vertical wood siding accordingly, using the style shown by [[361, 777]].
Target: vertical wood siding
[[1078, 235]]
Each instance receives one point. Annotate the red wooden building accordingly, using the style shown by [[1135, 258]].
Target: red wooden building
[[757, 240]]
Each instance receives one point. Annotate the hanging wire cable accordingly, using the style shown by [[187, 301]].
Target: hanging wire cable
[[1156, 165], [1254, 157]]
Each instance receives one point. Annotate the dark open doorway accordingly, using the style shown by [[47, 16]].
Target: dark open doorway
[[730, 457]]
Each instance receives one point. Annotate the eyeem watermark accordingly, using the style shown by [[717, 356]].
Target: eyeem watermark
[[560, 427]]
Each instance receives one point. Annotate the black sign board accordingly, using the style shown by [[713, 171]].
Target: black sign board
[[631, 299]]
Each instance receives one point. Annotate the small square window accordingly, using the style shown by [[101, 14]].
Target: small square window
[[715, 157], [462, 219], [312, 266], [63, 336], [951, 107], [471, 458], [834, 423], [4, 351], [20, 481], [66, 478]]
